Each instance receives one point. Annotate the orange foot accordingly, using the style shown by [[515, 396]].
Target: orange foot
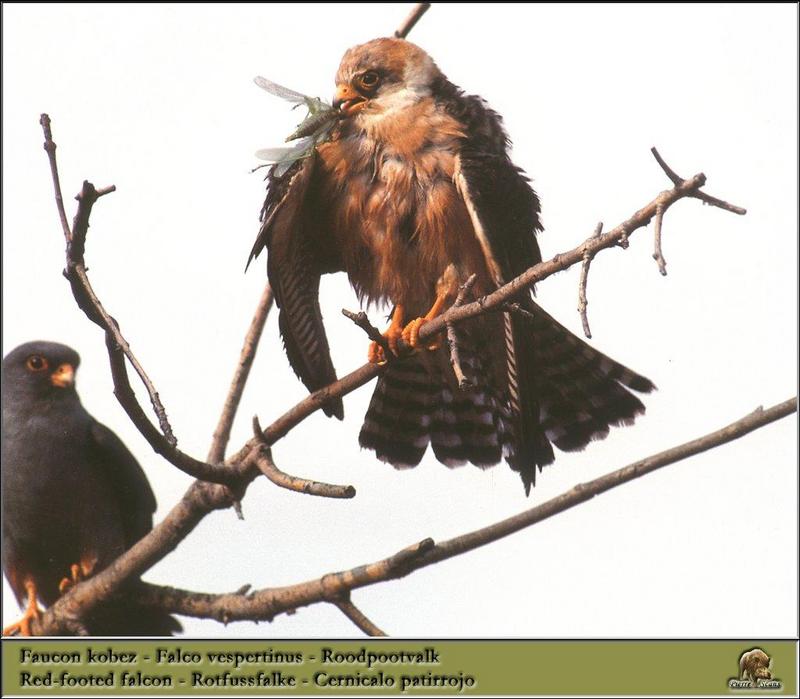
[[76, 577], [393, 333], [78, 573], [32, 611], [411, 334], [411, 331]]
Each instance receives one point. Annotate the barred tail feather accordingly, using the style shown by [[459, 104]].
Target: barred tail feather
[[414, 404], [545, 387], [582, 392], [397, 423]]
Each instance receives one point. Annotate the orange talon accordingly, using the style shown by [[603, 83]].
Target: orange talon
[[393, 333], [32, 611], [67, 583], [411, 331]]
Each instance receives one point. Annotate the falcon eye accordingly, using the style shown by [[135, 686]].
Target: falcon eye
[[369, 79], [36, 363]]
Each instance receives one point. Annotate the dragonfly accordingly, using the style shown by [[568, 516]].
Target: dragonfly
[[313, 130]]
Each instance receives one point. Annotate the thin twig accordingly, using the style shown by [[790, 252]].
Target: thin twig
[[452, 335], [127, 399], [584, 280], [658, 256], [362, 321], [50, 148], [90, 303], [414, 16], [164, 442], [268, 602], [358, 617], [223, 431], [299, 485], [707, 198], [76, 268], [676, 179]]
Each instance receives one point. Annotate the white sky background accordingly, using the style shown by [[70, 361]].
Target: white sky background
[[159, 100]]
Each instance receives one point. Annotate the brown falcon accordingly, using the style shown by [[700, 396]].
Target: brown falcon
[[413, 193]]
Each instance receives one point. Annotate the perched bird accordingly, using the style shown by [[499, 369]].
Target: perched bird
[[413, 193], [74, 498]]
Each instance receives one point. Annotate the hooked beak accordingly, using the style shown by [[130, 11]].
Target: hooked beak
[[64, 376], [347, 100]]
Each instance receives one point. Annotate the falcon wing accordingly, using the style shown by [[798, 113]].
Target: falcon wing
[[126, 479], [560, 389], [297, 257]]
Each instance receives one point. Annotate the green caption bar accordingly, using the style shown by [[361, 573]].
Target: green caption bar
[[41, 667]]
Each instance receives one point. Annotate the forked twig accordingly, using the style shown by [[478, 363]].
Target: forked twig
[[299, 485]]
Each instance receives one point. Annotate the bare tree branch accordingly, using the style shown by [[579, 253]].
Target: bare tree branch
[[267, 603], [50, 148], [358, 617], [584, 280], [414, 16], [362, 321], [75, 272], [223, 432], [117, 345], [452, 335], [199, 500], [707, 198], [658, 256], [300, 485]]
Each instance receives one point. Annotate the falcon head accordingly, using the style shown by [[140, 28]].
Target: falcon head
[[383, 75], [40, 370]]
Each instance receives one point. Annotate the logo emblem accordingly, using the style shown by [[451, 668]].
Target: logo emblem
[[755, 672]]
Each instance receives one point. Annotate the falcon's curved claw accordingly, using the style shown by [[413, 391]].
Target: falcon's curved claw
[[32, 611], [411, 335], [375, 354], [76, 577]]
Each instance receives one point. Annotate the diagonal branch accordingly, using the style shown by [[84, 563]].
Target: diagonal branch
[[300, 485], [223, 432], [414, 16], [358, 617], [268, 602], [164, 442], [89, 303]]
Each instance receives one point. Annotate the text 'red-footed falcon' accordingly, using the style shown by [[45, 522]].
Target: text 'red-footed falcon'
[[413, 193]]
